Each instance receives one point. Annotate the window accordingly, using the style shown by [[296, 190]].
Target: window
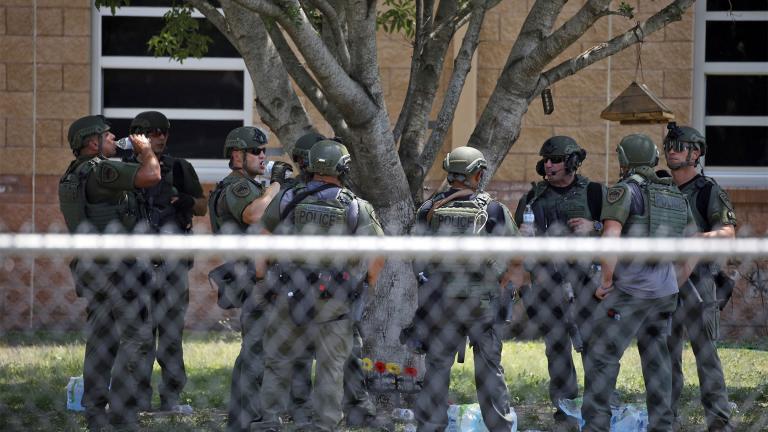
[[203, 98], [731, 89]]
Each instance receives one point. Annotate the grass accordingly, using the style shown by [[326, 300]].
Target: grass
[[35, 368]]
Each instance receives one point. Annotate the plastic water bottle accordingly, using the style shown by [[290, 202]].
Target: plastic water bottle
[[75, 394], [124, 143], [528, 221]]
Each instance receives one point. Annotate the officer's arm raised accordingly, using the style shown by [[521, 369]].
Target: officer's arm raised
[[255, 210], [148, 174]]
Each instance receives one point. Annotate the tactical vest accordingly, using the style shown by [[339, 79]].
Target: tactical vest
[[555, 209], [218, 210], [665, 213], [158, 197], [461, 217], [316, 216], [76, 209]]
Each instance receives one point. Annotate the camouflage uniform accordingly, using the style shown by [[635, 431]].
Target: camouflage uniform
[[100, 192]]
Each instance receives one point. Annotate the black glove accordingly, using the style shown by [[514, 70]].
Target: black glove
[[184, 202], [279, 172]]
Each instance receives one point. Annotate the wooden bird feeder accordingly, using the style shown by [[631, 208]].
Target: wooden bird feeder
[[637, 105]]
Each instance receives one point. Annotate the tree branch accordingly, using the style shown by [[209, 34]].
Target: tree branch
[[262, 7], [461, 68], [538, 24], [333, 19], [672, 12]]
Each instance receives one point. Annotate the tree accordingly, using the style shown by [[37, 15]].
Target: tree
[[328, 49]]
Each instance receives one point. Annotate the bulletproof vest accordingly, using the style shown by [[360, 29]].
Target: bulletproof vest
[[461, 217], [553, 210], [665, 213], [158, 197], [218, 210], [76, 209], [317, 216]]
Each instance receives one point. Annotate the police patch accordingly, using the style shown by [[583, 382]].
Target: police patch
[[615, 194], [108, 173], [241, 190]]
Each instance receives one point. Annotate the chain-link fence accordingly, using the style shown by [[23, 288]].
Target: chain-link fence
[[285, 332]]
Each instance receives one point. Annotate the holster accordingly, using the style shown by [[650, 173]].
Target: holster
[[724, 285], [232, 281]]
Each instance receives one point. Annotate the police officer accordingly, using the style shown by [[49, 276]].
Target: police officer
[[312, 310], [359, 409], [699, 316], [172, 203], [638, 298], [559, 300], [463, 296], [102, 195], [236, 206]]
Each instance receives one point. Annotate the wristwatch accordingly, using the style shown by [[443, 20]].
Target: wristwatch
[[597, 225]]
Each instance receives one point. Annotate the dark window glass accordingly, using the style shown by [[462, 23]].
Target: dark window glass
[[173, 89], [737, 5], [737, 146], [165, 3], [737, 95], [190, 139], [737, 41], [128, 36]]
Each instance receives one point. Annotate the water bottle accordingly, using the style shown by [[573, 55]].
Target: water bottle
[[124, 143], [528, 221], [75, 394]]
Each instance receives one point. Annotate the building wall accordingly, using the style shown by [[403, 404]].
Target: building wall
[[62, 94]]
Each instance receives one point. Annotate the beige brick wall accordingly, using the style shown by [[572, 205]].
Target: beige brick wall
[[61, 80]]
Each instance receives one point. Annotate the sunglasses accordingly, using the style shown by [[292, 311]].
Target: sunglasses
[[554, 159], [256, 151], [679, 146]]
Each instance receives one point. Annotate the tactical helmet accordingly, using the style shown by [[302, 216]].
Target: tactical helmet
[[85, 127], [565, 147], [244, 138], [149, 121], [328, 157], [637, 150], [304, 144], [679, 136], [464, 161]]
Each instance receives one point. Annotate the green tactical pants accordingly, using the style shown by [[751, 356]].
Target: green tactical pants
[[462, 318], [548, 311], [284, 344], [356, 396], [248, 372], [700, 321], [119, 336], [617, 320], [169, 295]]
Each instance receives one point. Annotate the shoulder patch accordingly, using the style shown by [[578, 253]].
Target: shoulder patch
[[108, 173], [726, 200], [241, 189], [615, 194]]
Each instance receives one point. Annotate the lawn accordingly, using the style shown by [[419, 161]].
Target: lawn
[[35, 368]]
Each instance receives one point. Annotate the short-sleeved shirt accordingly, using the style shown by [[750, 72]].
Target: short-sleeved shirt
[[238, 193], [718, 208], [110, 180], [639, 279]]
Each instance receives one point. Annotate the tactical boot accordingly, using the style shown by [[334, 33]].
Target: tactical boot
[[97, 420]]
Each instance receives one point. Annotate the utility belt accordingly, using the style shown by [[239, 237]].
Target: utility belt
[[309, 290]]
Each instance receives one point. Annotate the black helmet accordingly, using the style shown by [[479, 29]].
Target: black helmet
[[563, 147], [85, 127], [149, 121], [244, 138]]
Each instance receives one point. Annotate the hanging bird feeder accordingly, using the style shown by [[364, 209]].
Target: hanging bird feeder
[[637, 105]]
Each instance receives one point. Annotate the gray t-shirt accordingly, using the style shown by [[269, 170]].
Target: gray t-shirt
[[646, 281]]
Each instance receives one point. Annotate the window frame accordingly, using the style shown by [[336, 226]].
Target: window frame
[[727, 176], [208, 170]]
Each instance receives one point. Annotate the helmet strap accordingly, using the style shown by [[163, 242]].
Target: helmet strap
[[101, 144]]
